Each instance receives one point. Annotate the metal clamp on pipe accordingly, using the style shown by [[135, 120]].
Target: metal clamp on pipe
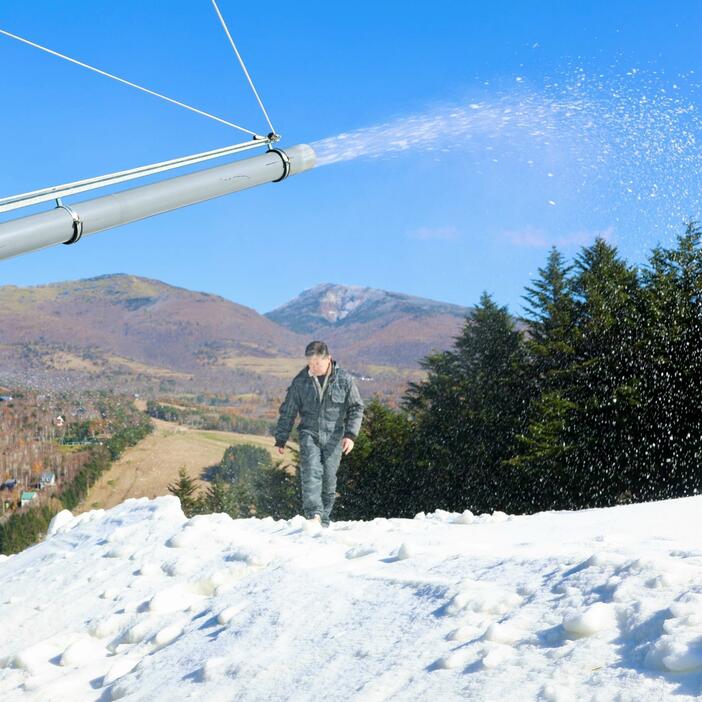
[[77, 222], [286, 163]]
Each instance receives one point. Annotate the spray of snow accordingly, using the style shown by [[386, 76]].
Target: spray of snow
[[438, 130], [637, 136]]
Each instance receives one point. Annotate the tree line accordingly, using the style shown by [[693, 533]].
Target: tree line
[[591, 398], [247, 482], [201, 418]]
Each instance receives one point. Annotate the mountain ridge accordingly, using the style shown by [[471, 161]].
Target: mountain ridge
[[373, 325], [331, 305], [121, 329]]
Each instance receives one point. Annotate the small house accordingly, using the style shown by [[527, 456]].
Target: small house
[[47, 479], [27, 497]]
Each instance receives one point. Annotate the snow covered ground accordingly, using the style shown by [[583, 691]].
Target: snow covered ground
[[139, 603]]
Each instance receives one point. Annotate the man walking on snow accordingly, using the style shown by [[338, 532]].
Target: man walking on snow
[[328, 401]]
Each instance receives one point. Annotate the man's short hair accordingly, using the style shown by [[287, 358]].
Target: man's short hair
[[316, 348]]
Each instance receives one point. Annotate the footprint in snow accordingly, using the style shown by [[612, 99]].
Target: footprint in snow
[[455, 659], [226, 615], [213, 669], [119, 669], [167, 635], [359, 552]]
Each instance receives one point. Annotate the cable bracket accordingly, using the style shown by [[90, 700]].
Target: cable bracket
[[77, 222]]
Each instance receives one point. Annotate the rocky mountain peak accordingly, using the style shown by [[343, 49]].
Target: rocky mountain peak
[[330, 306]]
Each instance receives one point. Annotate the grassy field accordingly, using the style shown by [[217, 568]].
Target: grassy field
[[147, 469], [67, 361], [376, 369], [279, 367], [137, 367]]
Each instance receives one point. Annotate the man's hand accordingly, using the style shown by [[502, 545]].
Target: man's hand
[[347, 446], [281, 450]]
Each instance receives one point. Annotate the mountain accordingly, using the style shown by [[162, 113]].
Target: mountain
[[328, 307], [140, 334], [140, 603], [125, 324], [372, 325], [145, 319]]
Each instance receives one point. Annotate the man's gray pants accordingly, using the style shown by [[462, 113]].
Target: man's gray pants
[[318, 467]]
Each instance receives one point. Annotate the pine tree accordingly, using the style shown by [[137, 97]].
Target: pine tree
[[377, 479], [184, 489], [543, 466], [243, 462], [579, 448], [234, 499], [246, 482], [276, 492], [470, 410], [603, 381], [541, 458], [671, 414], [550, 316]]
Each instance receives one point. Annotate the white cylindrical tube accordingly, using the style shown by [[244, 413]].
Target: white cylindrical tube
[[61, 224]]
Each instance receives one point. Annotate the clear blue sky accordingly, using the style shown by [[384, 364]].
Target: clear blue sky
[[441, 224]]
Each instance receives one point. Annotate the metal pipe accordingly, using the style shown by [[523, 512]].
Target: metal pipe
[[63, 226]]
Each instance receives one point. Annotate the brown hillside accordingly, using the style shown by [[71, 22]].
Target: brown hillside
[[134, 334], [141, 319]]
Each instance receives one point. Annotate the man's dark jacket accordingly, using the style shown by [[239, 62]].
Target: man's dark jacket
[[337, 414]]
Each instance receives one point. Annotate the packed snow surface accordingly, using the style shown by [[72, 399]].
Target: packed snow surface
[[140, 603]]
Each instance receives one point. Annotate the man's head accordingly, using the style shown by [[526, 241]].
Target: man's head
[[318, 358]]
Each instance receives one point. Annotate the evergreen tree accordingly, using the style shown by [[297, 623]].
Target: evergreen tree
[[184, 489], [550, 316], [246, 482], [243, 462], [376, 479], [276, 492], [604, 382], [470, 410], [234, 499], [434, 406], [541, 456], [671, 414], [584, 350], [543, 476]]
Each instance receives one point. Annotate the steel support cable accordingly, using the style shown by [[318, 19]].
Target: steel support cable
[[243, 67], [35, 197], [129, 83]]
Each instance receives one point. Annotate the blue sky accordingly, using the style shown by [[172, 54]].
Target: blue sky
[[475, 212]]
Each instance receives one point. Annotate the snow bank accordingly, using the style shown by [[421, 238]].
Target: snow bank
[[140, 603]]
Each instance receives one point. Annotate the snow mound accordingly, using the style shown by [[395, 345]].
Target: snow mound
[[504, 633], [141, 603], [465, 517], [592, 620], [60, 522]]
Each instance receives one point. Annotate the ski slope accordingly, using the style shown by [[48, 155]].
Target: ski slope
[[140, 603]]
